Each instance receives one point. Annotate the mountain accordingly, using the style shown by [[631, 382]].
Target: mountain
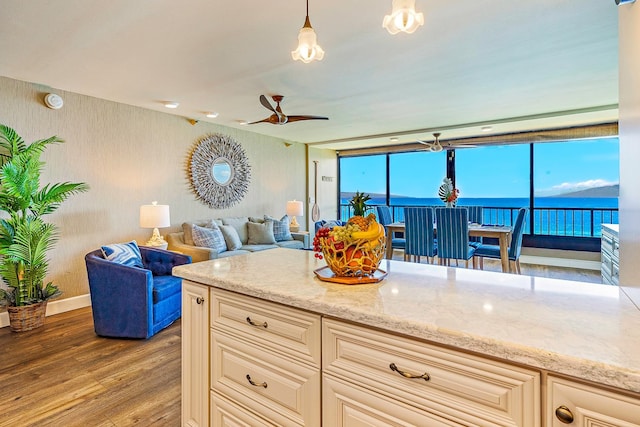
[[606, 191]]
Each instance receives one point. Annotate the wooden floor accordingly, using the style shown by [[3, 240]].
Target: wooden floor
[[63, 375]]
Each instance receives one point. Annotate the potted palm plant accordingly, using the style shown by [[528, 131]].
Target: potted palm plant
[[25, 238]]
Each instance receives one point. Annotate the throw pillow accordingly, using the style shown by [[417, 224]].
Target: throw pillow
[[231, 237], [260, 234], [281, 229], [240, 224], [208, 238], [124, 253], [186, 229]]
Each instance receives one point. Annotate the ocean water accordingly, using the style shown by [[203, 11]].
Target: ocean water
[[556, 216]]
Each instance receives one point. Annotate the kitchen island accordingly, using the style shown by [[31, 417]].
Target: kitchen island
[[495, 346]]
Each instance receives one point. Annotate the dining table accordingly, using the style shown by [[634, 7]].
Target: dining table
[[500, 232]]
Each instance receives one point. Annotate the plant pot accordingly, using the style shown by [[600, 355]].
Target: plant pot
[[27, 317]]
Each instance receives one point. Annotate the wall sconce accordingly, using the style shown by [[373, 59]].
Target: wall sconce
[[403, 17], [294, 209], [155, 216]]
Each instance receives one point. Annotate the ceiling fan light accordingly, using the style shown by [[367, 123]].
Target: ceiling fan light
[[308, 48], [403, 17]]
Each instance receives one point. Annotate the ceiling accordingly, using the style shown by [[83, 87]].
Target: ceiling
[[514, 65]]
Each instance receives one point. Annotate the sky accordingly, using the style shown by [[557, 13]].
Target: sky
[[498, 171]]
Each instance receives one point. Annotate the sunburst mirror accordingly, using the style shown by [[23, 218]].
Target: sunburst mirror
[[219, 171]]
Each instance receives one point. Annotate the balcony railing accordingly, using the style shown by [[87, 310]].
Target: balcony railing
[[563, 222]]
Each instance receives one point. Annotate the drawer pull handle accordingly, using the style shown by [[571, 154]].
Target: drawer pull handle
[[199, 300], [255, 384], [564, 414], [252, 323], [394, 368]]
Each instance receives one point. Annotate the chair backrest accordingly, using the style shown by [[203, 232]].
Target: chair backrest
[[384, 215], [418, 223], [475, 214], [517, 234], [453, 232]]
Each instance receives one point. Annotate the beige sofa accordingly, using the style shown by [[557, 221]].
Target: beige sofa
[[242, 235]]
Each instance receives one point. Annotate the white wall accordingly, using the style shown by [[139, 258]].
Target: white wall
[[629, 129], [327, 189], [130, 156]]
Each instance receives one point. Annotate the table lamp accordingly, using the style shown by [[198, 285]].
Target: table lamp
[[294, 209], [155, 216]]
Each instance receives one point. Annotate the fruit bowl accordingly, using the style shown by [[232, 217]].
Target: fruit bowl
[[353, 250]]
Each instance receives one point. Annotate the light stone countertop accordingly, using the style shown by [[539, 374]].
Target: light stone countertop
[[584, 330]]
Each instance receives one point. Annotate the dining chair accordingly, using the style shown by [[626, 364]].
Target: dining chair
[[475, 216], [493, 251], [452, 225], [418, 222], [384, 218]]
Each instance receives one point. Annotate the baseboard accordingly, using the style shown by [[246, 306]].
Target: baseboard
[[56, 307], [561, 262]]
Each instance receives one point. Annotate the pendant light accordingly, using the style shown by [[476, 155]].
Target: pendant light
[[308, 48], [403, 17]]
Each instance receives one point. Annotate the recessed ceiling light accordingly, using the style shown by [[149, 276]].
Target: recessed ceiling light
[[212, 115], [486, 128], [394, 139], [171, 104]]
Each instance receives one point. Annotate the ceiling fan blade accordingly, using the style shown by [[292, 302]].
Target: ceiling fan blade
[[265, 103], [299, 118], [267, 120]]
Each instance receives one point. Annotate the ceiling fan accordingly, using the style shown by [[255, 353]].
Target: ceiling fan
[[278, 117], [436, 146]]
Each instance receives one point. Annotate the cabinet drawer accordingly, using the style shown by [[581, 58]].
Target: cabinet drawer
[[481, 391], [588, 406], [285, 391], [347, 405], [289, 331], [607, 243], [225, 413]]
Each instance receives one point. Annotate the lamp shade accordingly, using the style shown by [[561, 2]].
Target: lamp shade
[[294, 208], [154, 216], [403, 17]]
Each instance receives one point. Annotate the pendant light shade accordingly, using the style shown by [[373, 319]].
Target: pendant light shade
[[308, 49], [403, 17]]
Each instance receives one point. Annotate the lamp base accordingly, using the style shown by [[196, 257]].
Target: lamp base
[[156, 240], [293, 225]]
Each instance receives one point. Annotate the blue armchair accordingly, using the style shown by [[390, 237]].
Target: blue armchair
[[133, 302]]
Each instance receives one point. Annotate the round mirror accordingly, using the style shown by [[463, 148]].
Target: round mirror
[[222, 171], [219, 171]]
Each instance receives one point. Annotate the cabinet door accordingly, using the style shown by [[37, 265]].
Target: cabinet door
[[578, 405], [347, 405], [195, 354]]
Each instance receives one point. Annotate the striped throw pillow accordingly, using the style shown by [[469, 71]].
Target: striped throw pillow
[[123, 253]]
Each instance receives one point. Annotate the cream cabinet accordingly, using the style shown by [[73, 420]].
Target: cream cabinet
[[366, 369], [610, 254], [576, 404], [195, 354], [265, 361]]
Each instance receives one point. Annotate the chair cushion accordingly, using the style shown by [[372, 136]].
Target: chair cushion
[[291, 244], [231, 237], [281, 229], [490, 251], [123, 253], [398, 243], [165, 286], [208, 238], [260, 234]]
